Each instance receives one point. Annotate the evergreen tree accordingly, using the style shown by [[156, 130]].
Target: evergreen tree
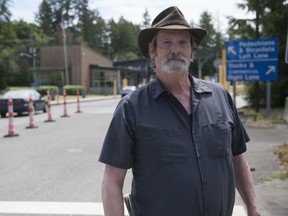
[[124, 39], [208, 50], [5, 13], [91, 27], [146, 20], [44, 19]]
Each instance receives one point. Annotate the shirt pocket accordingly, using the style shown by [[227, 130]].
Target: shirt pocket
[[218, 139], [164, 145], [171, 147]]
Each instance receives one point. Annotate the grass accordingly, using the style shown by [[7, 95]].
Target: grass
[[282, 154], [275, 117]]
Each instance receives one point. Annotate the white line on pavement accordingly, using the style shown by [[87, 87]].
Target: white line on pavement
[[60, 208], [66, 208], [239, 211]]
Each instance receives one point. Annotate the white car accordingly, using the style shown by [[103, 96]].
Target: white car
[[127, 89], [21, 101]]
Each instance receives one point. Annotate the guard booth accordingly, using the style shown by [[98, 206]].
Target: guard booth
[[103, 80]]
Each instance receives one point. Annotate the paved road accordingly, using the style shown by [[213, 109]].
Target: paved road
[[81, 175]]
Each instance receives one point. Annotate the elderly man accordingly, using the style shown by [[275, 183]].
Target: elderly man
[[181, 136]]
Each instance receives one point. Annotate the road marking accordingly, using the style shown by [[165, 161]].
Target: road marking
[[60, 208], [67, 208], [239, 211]]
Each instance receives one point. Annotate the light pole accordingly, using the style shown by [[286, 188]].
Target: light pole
[[31, 55], [65, 52]]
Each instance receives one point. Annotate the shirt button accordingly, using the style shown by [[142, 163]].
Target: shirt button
[[204, 182], [199, 155]]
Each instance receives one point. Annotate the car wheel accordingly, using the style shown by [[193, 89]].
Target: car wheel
[[45, 109], [3, 114]]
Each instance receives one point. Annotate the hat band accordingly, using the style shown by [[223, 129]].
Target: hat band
[[173, 22]]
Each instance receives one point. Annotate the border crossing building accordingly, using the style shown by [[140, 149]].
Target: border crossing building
[[97, 73]]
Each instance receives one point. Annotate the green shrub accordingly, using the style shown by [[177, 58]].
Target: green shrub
[[72, 89], [282, 153], [54, 90], [17, 88]]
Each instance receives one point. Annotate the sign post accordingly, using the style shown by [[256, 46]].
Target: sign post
[[252, 60], [286, 53]]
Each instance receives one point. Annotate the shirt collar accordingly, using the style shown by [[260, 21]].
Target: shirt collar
[[157, 88], [198, 85]]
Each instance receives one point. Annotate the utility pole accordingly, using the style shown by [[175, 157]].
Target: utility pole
[[31, 55], [65, 53], [257, 36], [32, 51]]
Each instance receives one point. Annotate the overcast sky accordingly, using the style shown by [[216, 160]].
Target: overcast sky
[[133, 10]]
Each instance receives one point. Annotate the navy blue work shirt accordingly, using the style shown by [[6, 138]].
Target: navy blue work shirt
[[182, 164]]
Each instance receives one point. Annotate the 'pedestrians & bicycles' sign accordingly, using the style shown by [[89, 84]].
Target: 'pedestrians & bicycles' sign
[[252, 60]]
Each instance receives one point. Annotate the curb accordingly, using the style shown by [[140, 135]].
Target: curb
[[89, 99]]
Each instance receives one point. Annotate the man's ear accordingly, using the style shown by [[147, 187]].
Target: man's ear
[[151, 51]]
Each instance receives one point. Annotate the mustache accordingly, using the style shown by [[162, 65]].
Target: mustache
[[176, 58]]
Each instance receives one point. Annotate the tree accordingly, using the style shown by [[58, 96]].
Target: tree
[[146, 20], [7, 41], [20, 37], [81, 25], [5, 14], [54, 13], [209, 48], [8, 45], [124, 39], [44, 20], [91, 28]]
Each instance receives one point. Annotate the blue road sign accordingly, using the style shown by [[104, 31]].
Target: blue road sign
[[252, 60]]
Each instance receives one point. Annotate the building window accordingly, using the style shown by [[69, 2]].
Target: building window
[[102, 79]]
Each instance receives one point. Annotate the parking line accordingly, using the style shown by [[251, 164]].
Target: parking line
[[67, 208]]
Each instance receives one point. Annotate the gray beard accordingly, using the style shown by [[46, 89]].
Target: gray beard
[[174, 66]]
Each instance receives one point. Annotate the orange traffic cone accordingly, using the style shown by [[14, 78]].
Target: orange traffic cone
[[64, 103], [31, 113], [11, 129], [78, 102], [49, 108]]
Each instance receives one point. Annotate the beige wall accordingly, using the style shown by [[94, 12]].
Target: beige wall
[[79, 58], [90, 57]]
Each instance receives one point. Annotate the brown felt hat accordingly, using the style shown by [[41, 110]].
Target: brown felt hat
[[170, 18]]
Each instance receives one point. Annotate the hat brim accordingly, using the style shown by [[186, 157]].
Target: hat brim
[[146, 35]]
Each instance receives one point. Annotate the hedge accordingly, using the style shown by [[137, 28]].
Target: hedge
[[72, 89], [17, 88], [43, 89], [54, 90]]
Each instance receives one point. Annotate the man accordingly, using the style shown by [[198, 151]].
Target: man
[[181, 136]]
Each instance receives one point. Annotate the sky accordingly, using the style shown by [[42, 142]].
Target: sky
[[133, 10]]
